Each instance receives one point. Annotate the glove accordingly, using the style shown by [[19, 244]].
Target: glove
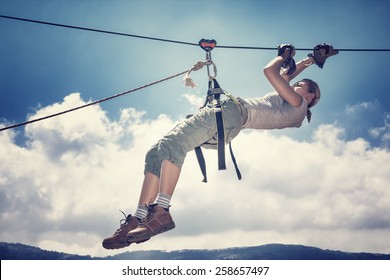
[[321, 52], [289, 62]]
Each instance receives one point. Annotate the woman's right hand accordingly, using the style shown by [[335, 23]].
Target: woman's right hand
[[321, 52]]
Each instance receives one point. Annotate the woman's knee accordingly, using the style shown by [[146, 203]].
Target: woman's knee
[[152, 161]]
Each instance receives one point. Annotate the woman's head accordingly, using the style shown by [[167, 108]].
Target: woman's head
[[309, 90]]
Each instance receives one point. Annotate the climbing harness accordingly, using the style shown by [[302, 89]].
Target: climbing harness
[[213, 100]]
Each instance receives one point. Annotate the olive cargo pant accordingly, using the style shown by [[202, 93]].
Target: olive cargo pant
[[191, 133]]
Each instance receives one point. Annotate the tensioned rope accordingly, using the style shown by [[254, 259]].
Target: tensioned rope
[[93, 103], [168, 40]]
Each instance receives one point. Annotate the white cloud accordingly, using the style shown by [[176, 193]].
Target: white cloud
[[368, 120], [63, 191], [352, 109], [195, 100], [383, 132]]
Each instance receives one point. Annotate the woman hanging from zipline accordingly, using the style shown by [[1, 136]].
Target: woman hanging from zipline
[[286, 107]]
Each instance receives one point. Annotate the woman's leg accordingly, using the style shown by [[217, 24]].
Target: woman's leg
[[162, 170], [153, 185], [159, 219], [169, 176], [150, 188]]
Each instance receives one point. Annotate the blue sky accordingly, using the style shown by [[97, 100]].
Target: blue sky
[[42, 64], [45, 69]]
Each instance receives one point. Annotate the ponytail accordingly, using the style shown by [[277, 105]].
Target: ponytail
[[308, 115]]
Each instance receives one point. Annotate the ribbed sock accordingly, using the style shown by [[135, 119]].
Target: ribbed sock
[[163, 200], [141, 212]]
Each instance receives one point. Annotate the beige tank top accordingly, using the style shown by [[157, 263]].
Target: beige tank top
[[272, 112]]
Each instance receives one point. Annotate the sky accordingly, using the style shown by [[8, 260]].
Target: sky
[[63, 180]]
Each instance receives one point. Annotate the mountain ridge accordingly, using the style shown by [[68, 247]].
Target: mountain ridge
[[18, 251]]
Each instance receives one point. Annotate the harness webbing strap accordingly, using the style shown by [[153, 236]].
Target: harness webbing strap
[[220, 137], [213, 98], [234, 162], [202, 163]]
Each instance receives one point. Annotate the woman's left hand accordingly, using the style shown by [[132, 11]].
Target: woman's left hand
[[286, 51]]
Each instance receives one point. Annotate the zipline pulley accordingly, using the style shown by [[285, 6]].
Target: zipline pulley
[[208, 46]]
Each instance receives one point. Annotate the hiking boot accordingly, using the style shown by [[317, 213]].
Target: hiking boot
[[118, 239], [158, 221]]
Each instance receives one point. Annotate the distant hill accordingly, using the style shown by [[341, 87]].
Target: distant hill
[[16, 251]]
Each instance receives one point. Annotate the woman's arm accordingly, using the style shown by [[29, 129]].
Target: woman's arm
[[320, 54], [272, 72]]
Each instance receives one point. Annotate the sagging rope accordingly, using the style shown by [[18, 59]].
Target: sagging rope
[[186, 80], [93, 103]]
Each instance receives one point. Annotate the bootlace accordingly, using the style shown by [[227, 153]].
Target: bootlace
[[123, 222], [150, 215]]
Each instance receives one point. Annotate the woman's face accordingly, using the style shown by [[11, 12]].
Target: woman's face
[[306, 90]]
